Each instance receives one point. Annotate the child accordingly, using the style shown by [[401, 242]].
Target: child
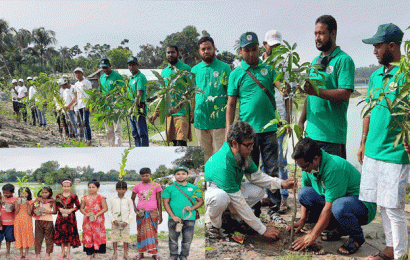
[[179, 208], [7, 218], [66, 232], [119, 210], [44, 228], [23, 224], [149, 213], [93, 206]]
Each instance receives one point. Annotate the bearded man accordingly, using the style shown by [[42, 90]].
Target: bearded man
[[224, 172]]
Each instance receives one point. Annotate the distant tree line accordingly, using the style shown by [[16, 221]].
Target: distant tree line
[[363, 74]]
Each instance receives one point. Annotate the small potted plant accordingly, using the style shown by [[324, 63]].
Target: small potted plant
[[64, 211], [92, 216]]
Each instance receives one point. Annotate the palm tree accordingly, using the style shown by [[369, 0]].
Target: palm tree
[[23, 39], [42, 38], [5, 41]]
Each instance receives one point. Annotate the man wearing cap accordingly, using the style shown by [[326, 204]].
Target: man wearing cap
[[224, 172], [32, 96], [178, 124], [385, 170], [108, 81], [137, 92], [210, 116], [22, 93], [273, 39], [60, 116], [326, 112], [83, 113], [14, 95], [252, 84], [68, 95]]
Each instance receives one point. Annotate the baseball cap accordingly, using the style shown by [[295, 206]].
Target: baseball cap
[[181, 168], [62, 82], [14, 81], [386, 33], [29, 78], [247, 39], [132, 59], [104, 62], [78, 69], [21, 80], [273, 37], [35, 78]]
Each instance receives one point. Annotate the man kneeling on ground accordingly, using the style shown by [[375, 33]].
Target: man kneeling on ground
[[330, 198], [224, 172]]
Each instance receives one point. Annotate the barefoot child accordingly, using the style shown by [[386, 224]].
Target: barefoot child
[[119, 211], [45, 207], [23, 224], [181, 199], [7, 216], [93, 206], [66, 232]]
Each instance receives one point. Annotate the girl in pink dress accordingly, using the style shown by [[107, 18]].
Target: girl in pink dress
[[93, 206]]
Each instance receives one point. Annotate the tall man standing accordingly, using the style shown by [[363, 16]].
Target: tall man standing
[[22, 93], [252, 83], [14, 95], [178, 124], [385, 169], [108, 81], [32, 93], [138, 91], [326, 112], [212, 78]]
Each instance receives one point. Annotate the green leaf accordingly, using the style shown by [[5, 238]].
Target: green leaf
[[272, 122], [294, 46]]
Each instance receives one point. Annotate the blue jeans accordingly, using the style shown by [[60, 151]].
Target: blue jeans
[[187, 237], [42, 119], [139, 131], [349, 212], [73, 124], [266, 146], [84, 124]]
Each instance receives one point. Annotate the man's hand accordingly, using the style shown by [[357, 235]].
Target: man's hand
[[271, 232], [298, 225], [406, 147], [308, 89], [153, 118], [303, 242], [177, 219], [360, 154], [188, 208], [289, 183]]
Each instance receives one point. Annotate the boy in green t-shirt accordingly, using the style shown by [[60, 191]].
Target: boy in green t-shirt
[[181, 199]]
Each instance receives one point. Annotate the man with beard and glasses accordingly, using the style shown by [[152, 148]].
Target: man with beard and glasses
[[326, 112], [178, 124], [252, 84], [385, 170], [209, 116], [225, 190]]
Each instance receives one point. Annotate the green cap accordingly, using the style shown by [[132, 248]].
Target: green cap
[[386, 33], [247, 39], [132, 59], [104, 62], [181, 168]]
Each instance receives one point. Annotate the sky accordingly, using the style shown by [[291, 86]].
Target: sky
[[101, 159], [149, 22]]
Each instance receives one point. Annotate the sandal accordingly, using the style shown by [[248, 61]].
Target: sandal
[[216, 233], [382, 256], [351, 246], [275, 217], [332, 235], [283, 207]]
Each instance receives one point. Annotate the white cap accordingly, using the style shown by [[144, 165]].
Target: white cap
[[14, 81], [62, 82], [78, 69], [35, 78], [21, 80], [29, 78], [273, 37]]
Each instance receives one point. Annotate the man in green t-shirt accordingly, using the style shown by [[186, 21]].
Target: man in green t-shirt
[[138, 91], [224, 172], [209, 116], [178, 124], [108, 81], [326, 112], [330, 197], [385, 170]]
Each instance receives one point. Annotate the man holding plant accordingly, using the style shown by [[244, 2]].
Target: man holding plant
[[326, 112], [385, 169]]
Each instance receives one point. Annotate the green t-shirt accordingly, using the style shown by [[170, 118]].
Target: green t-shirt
[[137, 82], [108, 82], [179, 201], [209, 79], [223, 170], [255, 106], [380, 138], [327, 120], [336, 178], [167, 72]]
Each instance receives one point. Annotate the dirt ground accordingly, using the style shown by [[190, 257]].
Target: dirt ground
[[256, 246], [197, 251]]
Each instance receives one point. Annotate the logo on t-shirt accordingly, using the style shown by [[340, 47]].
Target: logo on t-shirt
[[329, 69], [111, 82], [392, 86], [216, 74], [264, 71], [190, 189]]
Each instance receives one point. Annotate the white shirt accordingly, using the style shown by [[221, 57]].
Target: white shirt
[[22, 90], [120, 209], [13, 93], [68, 96], [31, 92], [79, 88]]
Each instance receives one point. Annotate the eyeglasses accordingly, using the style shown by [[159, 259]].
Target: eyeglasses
[[324, 61], [249, 146]]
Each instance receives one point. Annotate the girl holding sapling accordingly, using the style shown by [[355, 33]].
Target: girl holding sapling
[[23, 224], [44, 208], [66, 232], [93, 206]]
